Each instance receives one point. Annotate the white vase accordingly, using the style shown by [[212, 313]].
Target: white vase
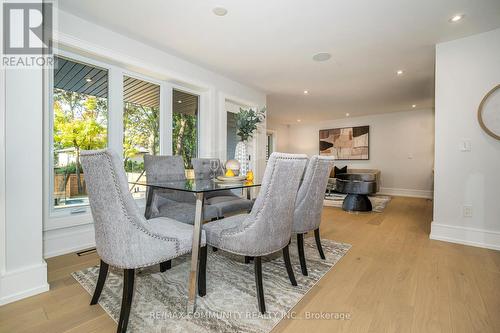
[[241, 155]]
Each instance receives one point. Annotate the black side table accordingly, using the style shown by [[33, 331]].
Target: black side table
[[357, 186]]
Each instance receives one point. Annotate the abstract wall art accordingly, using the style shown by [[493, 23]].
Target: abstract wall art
[[349, 143]]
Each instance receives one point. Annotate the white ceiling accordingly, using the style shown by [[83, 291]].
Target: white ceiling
[[268, 44]]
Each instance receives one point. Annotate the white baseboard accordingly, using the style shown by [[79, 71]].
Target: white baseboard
[[61, 241], [403, 192], [23, 283], [464, 235]]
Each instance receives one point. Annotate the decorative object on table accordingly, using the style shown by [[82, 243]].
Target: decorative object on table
[[246, 125], [489, 113], [234, 166], [379, 202], [349, 143], [357, 186], [233, 292], [214, 167], [250, 176], [230, 178]]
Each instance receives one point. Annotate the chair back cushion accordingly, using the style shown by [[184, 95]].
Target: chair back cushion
[[162, 168], [268, 227], [309, 203], [120, 228]]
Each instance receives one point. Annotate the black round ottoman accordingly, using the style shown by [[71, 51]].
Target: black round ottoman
[[357, 186]]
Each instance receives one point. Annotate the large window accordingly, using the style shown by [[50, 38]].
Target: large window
[[80, 122], [141, 127], [85, 113], [185, 125]]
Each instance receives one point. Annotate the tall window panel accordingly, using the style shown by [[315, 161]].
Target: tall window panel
[[79, 122], [232, 138], [269, 145], [141, 127], [185, 110]]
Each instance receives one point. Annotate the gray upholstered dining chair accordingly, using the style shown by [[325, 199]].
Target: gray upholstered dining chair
[[124, 238], [268, 227], [225, 202], [173, 204], [309, 204]]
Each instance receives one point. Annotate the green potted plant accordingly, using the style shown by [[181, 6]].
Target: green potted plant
[[247, 122]]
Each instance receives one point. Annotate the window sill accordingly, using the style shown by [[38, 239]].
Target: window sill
[[62, 220]]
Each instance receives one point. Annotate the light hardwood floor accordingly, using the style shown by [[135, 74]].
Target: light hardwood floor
[[394, 279]]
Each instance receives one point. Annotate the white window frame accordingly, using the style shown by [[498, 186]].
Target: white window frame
[[274, 136], [57, 218], [201, 99], [163, 107], [64, 217]]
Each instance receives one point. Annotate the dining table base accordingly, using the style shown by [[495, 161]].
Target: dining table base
[[195, 254]]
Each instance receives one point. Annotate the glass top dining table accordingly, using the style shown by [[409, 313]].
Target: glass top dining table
[[198, 187]]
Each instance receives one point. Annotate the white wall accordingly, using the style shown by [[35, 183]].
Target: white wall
[[401, 146], [466, 69], [280, 135]]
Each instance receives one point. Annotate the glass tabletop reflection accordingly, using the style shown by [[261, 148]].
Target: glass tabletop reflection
[[198, 185]]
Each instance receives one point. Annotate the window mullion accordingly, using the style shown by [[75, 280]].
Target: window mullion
[[166, 118]]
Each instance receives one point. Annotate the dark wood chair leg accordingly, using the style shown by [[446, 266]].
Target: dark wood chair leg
[[103, 273], [318, 244], [258, 284], [128, 292], [302, 258], [202, 274], [248, 259], [164, 266], [288, 264]]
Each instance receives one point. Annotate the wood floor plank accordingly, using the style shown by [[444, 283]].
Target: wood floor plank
[[394, 279]]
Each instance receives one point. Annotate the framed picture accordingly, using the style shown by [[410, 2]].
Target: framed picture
[[348, 143]]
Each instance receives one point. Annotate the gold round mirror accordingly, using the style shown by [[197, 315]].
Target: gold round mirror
[[488, 113]]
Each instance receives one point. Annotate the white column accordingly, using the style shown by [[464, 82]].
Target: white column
[[24, 272], [115, 105], [166, 91]]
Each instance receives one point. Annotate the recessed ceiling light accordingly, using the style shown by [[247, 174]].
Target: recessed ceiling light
[[88, 79], [347, 114], [220, 11], [456, 18], [399, 72], [414, 106], [298, 120], [306, 92], [322, 56], [179, 101]]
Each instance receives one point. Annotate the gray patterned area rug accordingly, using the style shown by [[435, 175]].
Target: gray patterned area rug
[[230, 305], [379, 202]]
